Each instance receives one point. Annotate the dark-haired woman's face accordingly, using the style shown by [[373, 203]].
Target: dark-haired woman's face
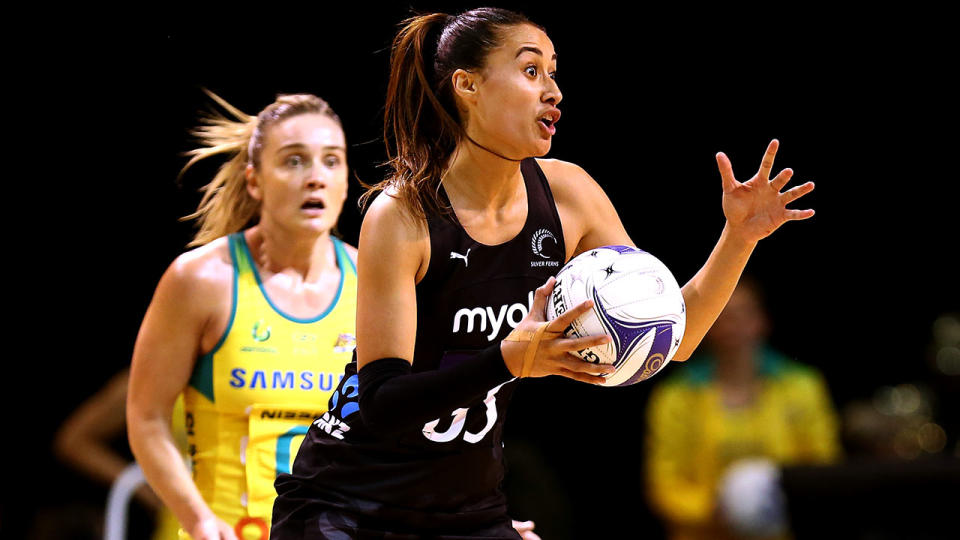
[[515, 108]]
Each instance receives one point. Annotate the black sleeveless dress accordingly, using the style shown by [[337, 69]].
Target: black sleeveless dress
[[443, 480]]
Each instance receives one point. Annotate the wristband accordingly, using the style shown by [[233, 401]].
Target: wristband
[[392, 399]]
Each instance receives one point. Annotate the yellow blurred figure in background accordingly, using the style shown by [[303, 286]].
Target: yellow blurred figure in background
[[735, 402]]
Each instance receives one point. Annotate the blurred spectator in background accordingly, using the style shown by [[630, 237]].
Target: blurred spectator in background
[[87, 441], [720, 425]]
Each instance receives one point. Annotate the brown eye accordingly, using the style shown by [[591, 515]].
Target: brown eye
[[531, 71]]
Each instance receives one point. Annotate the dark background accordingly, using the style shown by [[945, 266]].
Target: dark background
[[858, 101]]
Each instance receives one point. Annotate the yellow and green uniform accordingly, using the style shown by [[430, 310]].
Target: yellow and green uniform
[[251, 399], [693, 437], [166, 526]]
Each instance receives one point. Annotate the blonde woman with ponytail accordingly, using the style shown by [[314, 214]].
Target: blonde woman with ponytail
[[253, 326]]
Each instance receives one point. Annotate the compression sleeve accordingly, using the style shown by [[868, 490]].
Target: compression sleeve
[[392, 399]]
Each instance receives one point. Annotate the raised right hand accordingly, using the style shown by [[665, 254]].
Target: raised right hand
[[553, 356]]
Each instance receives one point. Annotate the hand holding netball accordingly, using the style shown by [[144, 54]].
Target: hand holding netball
[[537, 347], [636, 302]]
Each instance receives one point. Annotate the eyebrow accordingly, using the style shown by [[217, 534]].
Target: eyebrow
[[533, 50], [301, 145]]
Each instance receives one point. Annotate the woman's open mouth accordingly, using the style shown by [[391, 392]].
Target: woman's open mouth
[[313, 206], [548, 120]]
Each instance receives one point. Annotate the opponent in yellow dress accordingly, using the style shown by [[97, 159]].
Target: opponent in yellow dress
[[251, 399], [167, 527]]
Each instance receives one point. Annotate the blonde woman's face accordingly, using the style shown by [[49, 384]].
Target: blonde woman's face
[[302, 180]]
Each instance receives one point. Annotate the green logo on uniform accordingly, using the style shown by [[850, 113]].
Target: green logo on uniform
[[257, 334]]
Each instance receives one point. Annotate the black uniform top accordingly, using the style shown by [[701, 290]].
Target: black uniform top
[[449, 472]]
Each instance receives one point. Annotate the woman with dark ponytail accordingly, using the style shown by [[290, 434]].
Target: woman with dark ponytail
[[447, 315]]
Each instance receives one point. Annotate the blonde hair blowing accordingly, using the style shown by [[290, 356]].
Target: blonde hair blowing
[[226, 206]]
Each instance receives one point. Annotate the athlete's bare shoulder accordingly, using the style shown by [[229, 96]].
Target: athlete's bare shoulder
[[208, 263], [202, 275], [193, 298], [560, 169], [568, 181], [391, 228], [390, 210]]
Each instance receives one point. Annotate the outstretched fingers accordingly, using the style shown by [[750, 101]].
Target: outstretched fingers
[[781, 179], [793, 194], [768, 157], [793, 215], [726, 172]]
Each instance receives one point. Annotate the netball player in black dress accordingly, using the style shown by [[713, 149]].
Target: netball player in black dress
[[469, 225]]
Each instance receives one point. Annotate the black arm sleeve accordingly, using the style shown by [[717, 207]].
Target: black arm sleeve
[[392, 399]]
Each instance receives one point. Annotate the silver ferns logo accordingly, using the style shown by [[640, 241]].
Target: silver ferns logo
[[537, 242]]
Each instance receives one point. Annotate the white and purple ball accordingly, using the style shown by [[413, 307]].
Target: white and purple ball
[[637, 302]]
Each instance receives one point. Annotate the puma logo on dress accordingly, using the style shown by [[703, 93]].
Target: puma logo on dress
[[455, 255]]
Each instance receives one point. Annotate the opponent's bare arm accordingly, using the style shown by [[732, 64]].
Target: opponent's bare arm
[[178, 321], [754, 209]]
